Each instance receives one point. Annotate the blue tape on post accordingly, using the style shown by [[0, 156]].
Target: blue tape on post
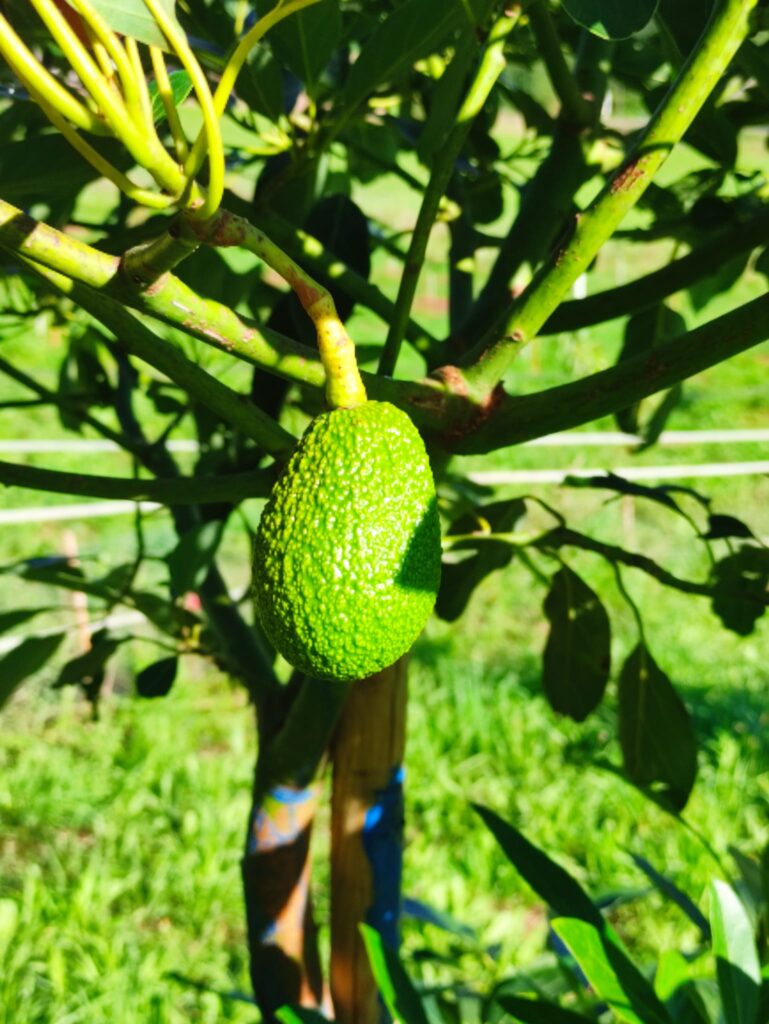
[[383, 844]]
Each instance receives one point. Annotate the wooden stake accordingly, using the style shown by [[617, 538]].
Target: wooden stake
[[366, 836]]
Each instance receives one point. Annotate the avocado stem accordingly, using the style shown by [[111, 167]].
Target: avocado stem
[[344, 386]]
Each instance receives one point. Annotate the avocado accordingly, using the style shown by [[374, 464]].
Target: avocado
[[348, 550]]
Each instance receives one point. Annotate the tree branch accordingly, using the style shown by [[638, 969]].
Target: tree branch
[[628, 298], [169, 491], [169, 300], [492, 357], [525, 417], [491, 65]]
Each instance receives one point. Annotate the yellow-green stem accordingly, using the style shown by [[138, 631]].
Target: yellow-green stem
[[213, 137], [37, 80], [167, 97]]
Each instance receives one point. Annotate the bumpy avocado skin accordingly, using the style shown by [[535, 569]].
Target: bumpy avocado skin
[[348, 552]]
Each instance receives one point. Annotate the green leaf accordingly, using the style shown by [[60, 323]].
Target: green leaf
[[673, 893], [721, 526], [397, 991], [445, 99], [132, 18], [413, 30], [659, 747], [549, 880], [306, 41], [612, 19], [459, 579], [737, 965], [11, 619], [88, 668], [23, 661], [740, 588], [47, 168], [577, 656], [157, 679], [299, 1015], [190, 560], [181, 87], [615, 979], [538, 1011]]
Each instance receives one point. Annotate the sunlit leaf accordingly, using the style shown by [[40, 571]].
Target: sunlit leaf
[[737, 965]]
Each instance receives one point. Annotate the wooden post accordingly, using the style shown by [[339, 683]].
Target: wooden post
[[366, 836]]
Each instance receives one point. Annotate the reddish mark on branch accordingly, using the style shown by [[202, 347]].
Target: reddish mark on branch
[[307, 294], [453, 378], [626, 178], [228, 229]]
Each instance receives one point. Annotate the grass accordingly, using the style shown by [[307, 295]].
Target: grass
[[120, 839]]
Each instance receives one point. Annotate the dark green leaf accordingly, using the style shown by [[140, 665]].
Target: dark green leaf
[[726, 526], [737, 965], [761, 265], [445, 99], [549, 880], [133, 18], [612, 19], [673, 893], [740, 588], [190, 560], [459, 579], [613, 977], [395, 987], [577, 657], [300, 1015], [659, 747], [49, 168], [181, 87], [8, 620], [157, 679], [23, 661], [261, 83], [421, 912], [305, 42], [662, 494], [413, 30], [87, 668], [537, 1011]]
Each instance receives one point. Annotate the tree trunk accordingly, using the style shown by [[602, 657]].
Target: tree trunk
[[366, 836], [276, 873]]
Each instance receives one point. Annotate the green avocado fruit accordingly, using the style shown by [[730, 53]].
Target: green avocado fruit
[[348, 550]]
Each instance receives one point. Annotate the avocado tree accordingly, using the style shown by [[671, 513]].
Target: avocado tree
[[222, 129]]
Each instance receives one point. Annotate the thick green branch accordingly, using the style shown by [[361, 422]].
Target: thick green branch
[[430, 403], [520, 323], [525, 417], [628, 298], [546, 200], [164, 490], [490, 67]]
